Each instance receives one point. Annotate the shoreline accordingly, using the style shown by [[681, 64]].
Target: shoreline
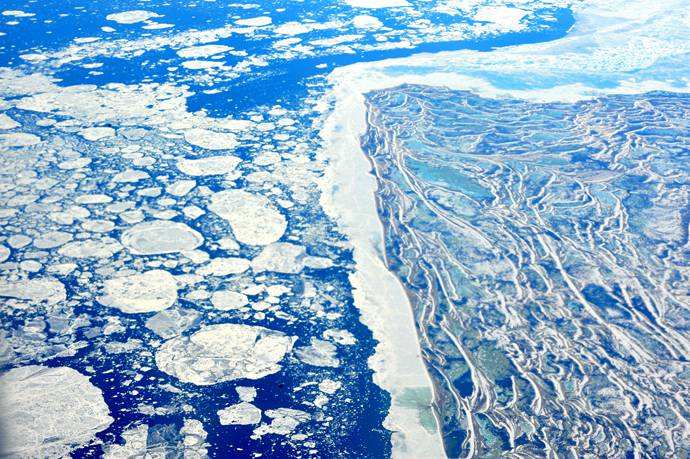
[[384, 305], [596, 58]]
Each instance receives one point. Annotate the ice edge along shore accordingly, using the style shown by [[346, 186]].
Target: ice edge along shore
[[597, 57]]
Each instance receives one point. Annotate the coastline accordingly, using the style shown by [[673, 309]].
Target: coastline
[[600, 56], [384, 305]]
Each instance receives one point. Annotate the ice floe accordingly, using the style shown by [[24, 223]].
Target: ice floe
[[374, 4], [254, 22], [287, 258], [7, 123], [91, 248], [243, 413], [211, 165], [224, 352], [18, 139], [97, 133], [319, 354], [253, 219], [160, 236], [224, 266], [132, 16], [284, 421], [196, 52], [36, 290], [46, 412], [150, 291], [172, 322], [227, 300], [210, 140]]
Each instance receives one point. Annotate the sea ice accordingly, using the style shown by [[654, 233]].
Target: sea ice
[[132, 17], [287, 258], [283, 421], [160, 236], [252, 217], [91, 248], [153, 290], [48, 411], [212, 165], [196, 52], [243, 413], [224, 352], [224, 266], [227, 299], [254, 22], [376, 3], [170, 323], [210, 140], [18, 139], [7, 123], [319, 354], [246, 393], [36, 290], [97, 133]]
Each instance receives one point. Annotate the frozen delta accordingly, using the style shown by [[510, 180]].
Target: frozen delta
[[345, 229]]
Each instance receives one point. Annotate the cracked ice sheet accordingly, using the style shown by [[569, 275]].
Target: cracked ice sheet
[[46, 412]]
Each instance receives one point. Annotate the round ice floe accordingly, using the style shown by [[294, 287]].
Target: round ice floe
[[160, 236], [210, 140], [253, 218], [212, 165], [46, 289], [226, 300], [242, 414], [146, 292], [48, 411], [224, 352], [4, 253]]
